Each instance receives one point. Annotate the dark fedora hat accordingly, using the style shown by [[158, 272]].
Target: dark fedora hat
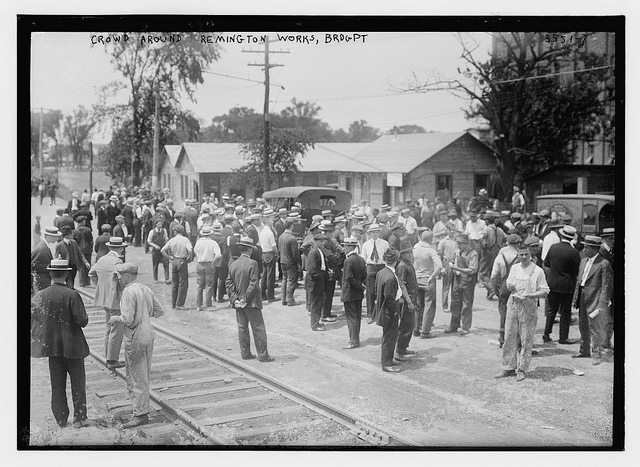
[[391, 255], [405, 246]]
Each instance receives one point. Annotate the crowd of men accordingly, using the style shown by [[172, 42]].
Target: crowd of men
[[390, 258]]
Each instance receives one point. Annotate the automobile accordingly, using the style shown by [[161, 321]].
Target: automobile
[[591, 213], [313, 200]]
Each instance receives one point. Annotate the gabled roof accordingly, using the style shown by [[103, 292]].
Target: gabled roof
[[172, 151], [337, 156], [213, 157], [403, 153]]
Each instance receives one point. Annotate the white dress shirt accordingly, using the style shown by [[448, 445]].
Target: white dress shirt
[[587, 269], [367, 250], [206, 250]]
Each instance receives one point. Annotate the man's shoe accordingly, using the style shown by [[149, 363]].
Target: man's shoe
[[284, 303], [427, 335], [446, 310], [167, 282], [416, 333], [391, 369], [449, 331], [520, 376], [351, 346], [294, 303], [317, 328], [248, 357], [568, 341], [78, 424], [181, 308], [402, 358], [464, 332], [328, 319], [596, 361], [136, 421], [222, 300], [546, 339], [581, 355], [407, 352], [198, 308], [267, 359], [331, 315], [274, 299], [506, 374], [114, 365]]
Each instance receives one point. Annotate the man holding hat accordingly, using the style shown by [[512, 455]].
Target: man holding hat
[[41, 256], [354, 276], [138, 305], [207, 252], [593, 292], [179, 251], [57, 318], [527, 285], [440, 230], [107, 295], [506, 259], [563, 262], [373, 251], [243, 287], [465, 270]]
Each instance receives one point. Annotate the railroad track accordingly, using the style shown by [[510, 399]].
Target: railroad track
[[226, 402]]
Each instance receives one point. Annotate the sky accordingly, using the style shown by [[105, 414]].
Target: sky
[[349, 81]]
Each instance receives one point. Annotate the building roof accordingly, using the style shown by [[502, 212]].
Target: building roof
[[173, 151], [389, 153]]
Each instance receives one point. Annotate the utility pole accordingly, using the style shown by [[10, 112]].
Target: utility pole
[[40, 156], [90, 167], [156, 144], [266, 66]]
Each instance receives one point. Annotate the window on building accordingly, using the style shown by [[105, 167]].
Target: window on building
[[443, 186], [332, 180], [182, 186], [481, 181], [348, 183]]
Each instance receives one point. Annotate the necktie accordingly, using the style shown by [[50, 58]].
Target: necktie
[[374, 253]]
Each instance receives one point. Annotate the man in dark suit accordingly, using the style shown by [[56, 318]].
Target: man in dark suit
[[169, 214], [243, 287], [112, 210], [127, 212], [101, 216], [57, 318], [289, 253], [68, 249], [563, 262], [354, 276], [100, 245], [41, 257], [389, 304], [406, 272], [593, 292], [83, 211], [607, 251], [317, 271], [84, 238], [66, 219]]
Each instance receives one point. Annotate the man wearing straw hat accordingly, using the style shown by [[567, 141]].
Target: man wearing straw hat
[[179, 251], [107, 295], [138, 305], [57, 318], [41, 257], [354, 276], [207, 252], [373, 251], [243, 288]]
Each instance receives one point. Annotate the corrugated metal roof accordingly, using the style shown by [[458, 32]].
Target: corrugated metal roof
[[173, 151], [403, 153], [389, 153]]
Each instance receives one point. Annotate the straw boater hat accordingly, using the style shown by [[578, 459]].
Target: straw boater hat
[[113, 198], [52, 232], [568, 231], [326, 212], [608, 232], [116, 242], [268, 212], [326, 226], [350, 241], [216, 226], [59, 265], [206, 231], [245, 241], [357, 227], [374, 228], [339, 219], [385, 207], [592, 241], [482, 192]]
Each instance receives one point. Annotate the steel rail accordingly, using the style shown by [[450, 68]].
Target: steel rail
[[363, 429]]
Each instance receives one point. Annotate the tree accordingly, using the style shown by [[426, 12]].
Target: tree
[[165, 69], [360, 132], [286, 145], [533, 97], [240, 125], [77, 129], [50, 129], [304, 115], [407, 130]]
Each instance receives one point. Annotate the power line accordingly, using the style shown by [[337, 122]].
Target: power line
[[554, 74]]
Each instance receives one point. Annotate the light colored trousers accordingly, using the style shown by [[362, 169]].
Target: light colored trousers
[[520, 326], [138, 359], [113, 335]]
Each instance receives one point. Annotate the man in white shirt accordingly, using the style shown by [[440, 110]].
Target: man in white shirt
[[507, 257], [428, 266], [551, 238], [267, 242], [178, 250], [372, 252], [206, 250], [410, 225]]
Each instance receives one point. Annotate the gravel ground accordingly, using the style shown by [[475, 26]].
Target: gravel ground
[[446, 397]]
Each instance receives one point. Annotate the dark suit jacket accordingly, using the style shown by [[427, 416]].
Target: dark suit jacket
[[102, 219], [243, 282], [127, 212], [100, 246], [563, 262], [386, 291], [57, 318], [86, 213], [314, 265], [354, 276], [41, 258], [66, 220], [111, 212], [71, 252], [598, 288], [288, 249]]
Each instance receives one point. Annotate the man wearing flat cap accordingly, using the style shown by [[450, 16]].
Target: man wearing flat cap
[[138, 305], [57, 318], [563, 262], [593, 292], [465, 270]]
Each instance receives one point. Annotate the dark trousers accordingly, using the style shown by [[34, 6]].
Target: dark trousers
[[84, 272], [447, 282], [389, 340], [316, 297], [180, 283], [462, 304], [145, 235], [205, 278], [268, 280], [583, 325], [353, 314], [558, 303], [280, 270], [426, 311], [503, 298], [59, 367], [253, 316], [137, 232], [372, 271], [219, 282], [329, 288], [289, 282], [71, 276], [405, 328], [156, 259]]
